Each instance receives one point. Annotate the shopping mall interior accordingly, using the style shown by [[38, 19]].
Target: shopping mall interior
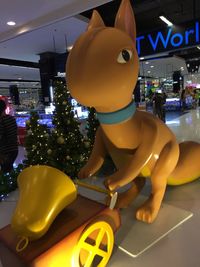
[[36, 38]]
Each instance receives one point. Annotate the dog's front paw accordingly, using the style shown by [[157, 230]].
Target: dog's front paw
[[147, 213], [112, 183]]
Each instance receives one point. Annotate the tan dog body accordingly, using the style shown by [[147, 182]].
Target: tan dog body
[[102, 71]]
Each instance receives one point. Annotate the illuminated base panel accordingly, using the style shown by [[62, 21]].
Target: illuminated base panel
[[136, 237]]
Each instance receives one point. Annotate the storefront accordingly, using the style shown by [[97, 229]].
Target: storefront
[[160, 69]]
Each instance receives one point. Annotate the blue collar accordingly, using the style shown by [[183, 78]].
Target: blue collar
[[117, 116]]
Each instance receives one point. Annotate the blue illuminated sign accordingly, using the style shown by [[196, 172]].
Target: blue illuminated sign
[[170, 39]]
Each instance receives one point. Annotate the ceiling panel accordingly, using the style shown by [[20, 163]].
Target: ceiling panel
[[162, 67], [23, 11], [52, 38], [18, 73], [48, 12]]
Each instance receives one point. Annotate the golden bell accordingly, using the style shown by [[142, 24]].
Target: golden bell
[[44, 192]]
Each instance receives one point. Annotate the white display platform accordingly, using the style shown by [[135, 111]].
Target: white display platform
[[135, 237]]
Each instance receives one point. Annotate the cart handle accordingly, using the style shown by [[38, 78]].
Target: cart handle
[[95, 188]]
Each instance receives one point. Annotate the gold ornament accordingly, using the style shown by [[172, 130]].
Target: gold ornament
[[29, 132], [87, 144], [81, 158], [49, 151], [60, 140]]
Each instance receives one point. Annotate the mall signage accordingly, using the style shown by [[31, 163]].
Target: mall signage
[[60, 74], [169, 39]]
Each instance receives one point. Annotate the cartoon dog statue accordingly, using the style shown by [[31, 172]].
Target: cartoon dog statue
[[102, 70]]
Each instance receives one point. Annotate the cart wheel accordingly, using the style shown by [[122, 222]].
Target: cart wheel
[[95, 245]]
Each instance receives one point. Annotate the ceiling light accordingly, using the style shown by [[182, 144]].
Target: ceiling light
[[169, 23], [11, 23], [152, 66], [149, 71], [147, 62], [198, 47], [141, 58]]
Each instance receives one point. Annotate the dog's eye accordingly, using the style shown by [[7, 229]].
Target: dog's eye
[[124, 56]]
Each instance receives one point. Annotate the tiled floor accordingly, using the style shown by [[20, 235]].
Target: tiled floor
[[181, 247]]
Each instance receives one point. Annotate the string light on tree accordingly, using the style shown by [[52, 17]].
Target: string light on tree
[[92, 125]]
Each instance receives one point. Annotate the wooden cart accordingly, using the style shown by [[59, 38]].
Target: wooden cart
[[81, 236]]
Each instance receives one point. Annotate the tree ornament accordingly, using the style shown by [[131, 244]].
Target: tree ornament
[[60, 140], [81, 158], [49, 151], [29, 132], [87, 144]]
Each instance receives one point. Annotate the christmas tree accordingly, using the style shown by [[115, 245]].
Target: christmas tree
[[67, 149], [8, 181], [108, 166], [92, 125], [36, 141]]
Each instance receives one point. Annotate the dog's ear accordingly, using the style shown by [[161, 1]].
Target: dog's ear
[[95, 21], [125, 19]]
